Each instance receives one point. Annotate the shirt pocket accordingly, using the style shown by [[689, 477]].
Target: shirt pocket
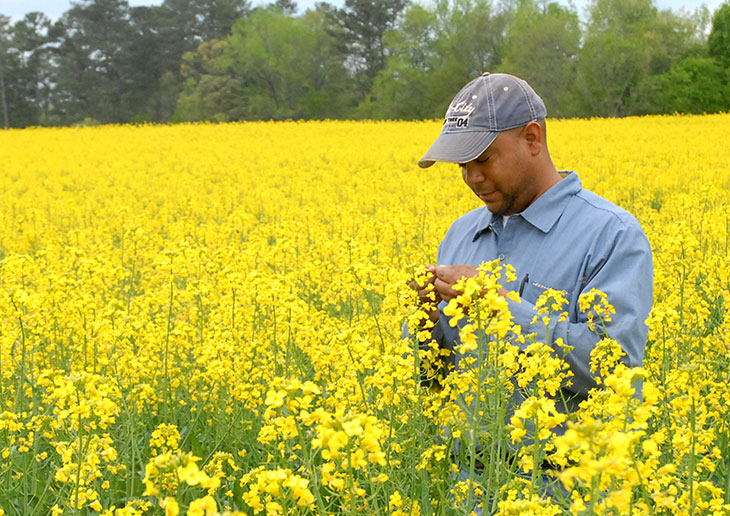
[[534, 289]]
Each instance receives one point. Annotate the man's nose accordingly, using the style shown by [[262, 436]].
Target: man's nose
[[472, 173]]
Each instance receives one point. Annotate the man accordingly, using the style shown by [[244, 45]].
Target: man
[[542, 222], [553, 232]]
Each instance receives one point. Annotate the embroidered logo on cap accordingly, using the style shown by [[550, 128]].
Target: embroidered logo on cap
[[457, 116]]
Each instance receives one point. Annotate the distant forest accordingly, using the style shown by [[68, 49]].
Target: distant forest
[[222, 60]]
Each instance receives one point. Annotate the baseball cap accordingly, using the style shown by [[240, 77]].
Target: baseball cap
[[488, 105]]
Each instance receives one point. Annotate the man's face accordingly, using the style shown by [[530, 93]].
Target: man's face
[[501, 176]]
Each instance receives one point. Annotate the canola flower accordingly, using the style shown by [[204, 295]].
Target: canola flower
[[206, 319]]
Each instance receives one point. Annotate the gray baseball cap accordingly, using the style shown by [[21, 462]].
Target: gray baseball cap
[[488, 105]]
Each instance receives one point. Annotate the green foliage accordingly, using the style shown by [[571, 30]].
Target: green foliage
[[433, 53], [628, 41], [613, 57], [91, 52], [405, 88], [364, 24], [25, 56], [209, 93], [542, 44], [4, 23], [193, 21], [696, 85], [718, 43], [271, 66], [470, 35], [188, 60]]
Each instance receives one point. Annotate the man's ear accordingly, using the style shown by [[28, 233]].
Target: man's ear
[[534, 136]]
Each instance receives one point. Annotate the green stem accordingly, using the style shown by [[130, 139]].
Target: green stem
[[595, 482], [167, 349], [233, 313], [304, 443], [692, 458], [23, 375], [79, 457], [642, 485], [474, 434]]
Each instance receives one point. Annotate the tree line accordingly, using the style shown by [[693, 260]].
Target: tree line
[[188, 60]]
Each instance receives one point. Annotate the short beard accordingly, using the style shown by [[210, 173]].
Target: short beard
[[509, 202]]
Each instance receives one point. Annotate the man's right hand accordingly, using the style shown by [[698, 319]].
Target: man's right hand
[[427, 294]]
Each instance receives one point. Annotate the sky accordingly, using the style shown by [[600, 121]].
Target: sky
[[16, 9]]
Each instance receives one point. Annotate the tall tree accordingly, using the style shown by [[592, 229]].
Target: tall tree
[[288, 7], [272, 66], [404, 89], [196, 21], [4, 45], [364, 24], [90, 73], [626, 41], [132, 55], [218, 16], [151, 62], [718, 42], [210, 92], [184, 25], [470, 41], [542, 47], [25, 68], [33, 40], [433, 52], [613, 58]]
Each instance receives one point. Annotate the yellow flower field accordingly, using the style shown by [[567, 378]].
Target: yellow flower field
[[207, 318]]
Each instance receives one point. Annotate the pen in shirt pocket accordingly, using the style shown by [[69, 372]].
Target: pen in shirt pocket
[[523, 283]]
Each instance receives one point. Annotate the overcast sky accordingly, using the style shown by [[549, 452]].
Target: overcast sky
[[16, 9]]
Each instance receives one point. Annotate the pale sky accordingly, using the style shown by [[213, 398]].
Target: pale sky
[[16, 9]]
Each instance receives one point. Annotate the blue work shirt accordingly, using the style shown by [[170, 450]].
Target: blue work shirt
[[572, 240]]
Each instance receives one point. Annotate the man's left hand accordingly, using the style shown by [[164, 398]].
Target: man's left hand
[[448, 275]]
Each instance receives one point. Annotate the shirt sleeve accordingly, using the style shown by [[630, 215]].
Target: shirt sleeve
[[624, 272]]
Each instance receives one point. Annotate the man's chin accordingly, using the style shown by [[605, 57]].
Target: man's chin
[[496, 209]]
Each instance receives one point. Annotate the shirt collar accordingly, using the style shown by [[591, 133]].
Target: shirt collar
[[544, 212], [487, 221]]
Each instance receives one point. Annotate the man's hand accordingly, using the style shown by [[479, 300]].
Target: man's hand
[[427, 292], [448, 275]]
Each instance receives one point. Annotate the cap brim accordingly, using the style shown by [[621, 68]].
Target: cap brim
[[458, 147]]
